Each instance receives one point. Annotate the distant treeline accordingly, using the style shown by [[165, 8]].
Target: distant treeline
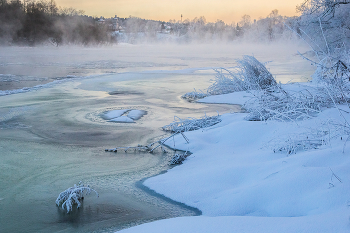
[[36, 22], [33, 22], [271, 28]]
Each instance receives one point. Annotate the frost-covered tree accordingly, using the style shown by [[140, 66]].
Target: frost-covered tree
[[325, 25], [245, 22]]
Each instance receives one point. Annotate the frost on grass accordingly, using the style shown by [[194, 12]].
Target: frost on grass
[[73, 196], [194, 95], [310, 139], [331, 86], [279, 104], [179, 158], [249, 74], [189, 124]]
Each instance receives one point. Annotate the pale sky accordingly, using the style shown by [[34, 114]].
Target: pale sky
[[164, 10]]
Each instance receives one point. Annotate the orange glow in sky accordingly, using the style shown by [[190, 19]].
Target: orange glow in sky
[[164, 10]]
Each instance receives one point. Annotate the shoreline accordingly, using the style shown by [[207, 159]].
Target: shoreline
[[139, 184], [60, 117]]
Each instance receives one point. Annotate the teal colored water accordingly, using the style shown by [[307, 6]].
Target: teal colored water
[[52, 138]]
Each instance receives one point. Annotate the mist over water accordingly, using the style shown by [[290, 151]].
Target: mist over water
[[53, 137], [36, 65]]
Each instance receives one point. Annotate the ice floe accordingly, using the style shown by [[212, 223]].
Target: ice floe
[[123, 115]]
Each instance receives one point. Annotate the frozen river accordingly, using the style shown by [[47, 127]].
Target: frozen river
[[52, 137]]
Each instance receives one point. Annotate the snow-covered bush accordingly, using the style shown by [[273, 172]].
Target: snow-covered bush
[[332, 86], [189, 124], [334, 81], [194, 95], [313, 137], [250, 74], [225, 82], [307, 139], [333, 16], [254, 74], [179, 158], [292, 145], [73, 196], [278, 104]]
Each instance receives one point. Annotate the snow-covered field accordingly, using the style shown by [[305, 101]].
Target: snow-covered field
[[242, 181]]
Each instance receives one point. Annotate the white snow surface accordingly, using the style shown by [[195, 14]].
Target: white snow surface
[[114, 113], [136, 114], [122, 119], [240, 184], [118, 115], [232, 98]]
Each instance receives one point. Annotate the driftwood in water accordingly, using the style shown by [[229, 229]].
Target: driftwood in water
[[150, 148]]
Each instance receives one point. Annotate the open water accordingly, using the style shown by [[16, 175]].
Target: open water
[[52, 137]]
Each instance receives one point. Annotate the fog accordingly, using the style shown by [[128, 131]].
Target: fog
[[55, 88], [35, 65], [42, 22]]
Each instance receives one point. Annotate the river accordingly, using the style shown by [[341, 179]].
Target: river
[[53, 136]]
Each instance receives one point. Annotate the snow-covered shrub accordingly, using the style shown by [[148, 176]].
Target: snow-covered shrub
[[254, 74], [332, 87], [73, 196], [178, 158], [194, 95], [293, 143], [250, 74], [225, 82], [313, 137], [189, 124], [278, 104], [324, 24], [334, 81]]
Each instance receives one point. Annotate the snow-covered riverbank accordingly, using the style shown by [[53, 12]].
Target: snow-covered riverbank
[[60, 124], [241, 181]]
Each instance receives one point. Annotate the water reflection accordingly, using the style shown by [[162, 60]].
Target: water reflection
[[52, 138]]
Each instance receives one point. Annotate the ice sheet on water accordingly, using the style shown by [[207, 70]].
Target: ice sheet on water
[[123, 119], [114, 114], [136, 114], [14, 78], [123, 115]]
